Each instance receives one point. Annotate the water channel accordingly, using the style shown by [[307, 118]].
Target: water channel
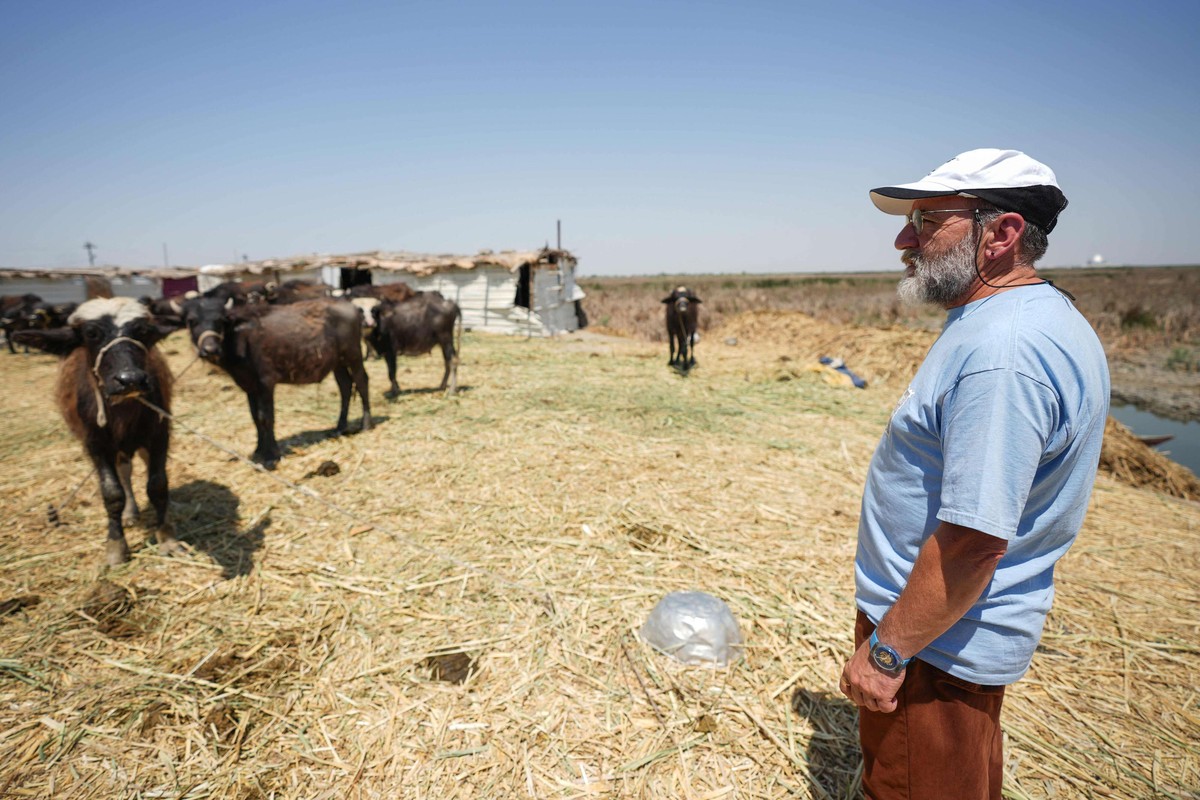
[[1183, 449]]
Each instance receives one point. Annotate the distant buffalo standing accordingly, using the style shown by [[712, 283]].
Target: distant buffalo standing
[[14, 314], [413, 327], [682, 313]]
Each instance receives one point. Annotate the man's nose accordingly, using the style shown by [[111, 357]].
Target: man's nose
[[907, 238]]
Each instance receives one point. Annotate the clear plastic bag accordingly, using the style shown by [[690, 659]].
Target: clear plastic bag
[[695, 628]]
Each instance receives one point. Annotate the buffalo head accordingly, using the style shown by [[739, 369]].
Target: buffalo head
[[117, 333]]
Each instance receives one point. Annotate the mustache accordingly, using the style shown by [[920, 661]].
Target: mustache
[[909, 257]]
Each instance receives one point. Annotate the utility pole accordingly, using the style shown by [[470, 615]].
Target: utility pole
[[91, 253], [559, 247], [166, 261]]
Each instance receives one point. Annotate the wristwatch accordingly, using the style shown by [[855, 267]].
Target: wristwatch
[[885, 656]]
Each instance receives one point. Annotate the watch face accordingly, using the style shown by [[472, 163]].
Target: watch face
[[886, 658]]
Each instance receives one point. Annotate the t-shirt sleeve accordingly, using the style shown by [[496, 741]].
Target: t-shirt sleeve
[[995, 426]]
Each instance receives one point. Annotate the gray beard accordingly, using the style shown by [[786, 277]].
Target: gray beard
[[943, 279]]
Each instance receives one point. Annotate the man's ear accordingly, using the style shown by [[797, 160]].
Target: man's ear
[[56, 341], [1003, 235]]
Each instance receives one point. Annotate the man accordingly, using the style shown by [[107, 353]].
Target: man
[[979, 484]]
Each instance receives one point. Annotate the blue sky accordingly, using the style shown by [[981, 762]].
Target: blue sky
[[667, 137]]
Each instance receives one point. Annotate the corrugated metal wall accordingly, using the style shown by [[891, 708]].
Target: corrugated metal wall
[[74, 290], [486, 298]]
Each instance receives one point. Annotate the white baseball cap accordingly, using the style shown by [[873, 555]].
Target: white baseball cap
[[1007, 179]]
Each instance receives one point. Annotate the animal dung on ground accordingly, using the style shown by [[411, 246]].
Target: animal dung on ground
[[695, 628], [108, 604], [450, 667], [327, 469]]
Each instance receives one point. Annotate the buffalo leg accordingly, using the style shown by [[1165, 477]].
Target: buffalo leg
[[125, 473], [116, 549], [671, 339], [267, 453], [359, 374], [345, 386], [159, 493], [389, 355], [450, 375]]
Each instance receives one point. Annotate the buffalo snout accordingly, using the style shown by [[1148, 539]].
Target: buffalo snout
[[128, 381], [209, 348]]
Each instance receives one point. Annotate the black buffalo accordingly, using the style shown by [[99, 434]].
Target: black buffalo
[[413, 327], [262, 345], [14, 314], [110, 360], [682, 313], [45, 315]]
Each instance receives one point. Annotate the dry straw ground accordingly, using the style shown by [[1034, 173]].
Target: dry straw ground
[[514, 538]]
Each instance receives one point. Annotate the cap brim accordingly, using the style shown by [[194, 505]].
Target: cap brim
[[899, 200]]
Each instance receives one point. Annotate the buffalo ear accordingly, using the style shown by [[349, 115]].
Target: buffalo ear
[[668, 299], [56, 341], [695, 299], [161, 328]]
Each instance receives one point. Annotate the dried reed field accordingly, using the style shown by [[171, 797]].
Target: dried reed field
[[447, 605], [1147, 317], [1130, 307]]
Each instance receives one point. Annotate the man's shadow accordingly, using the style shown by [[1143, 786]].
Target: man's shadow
[[205, 515], [834, 755]]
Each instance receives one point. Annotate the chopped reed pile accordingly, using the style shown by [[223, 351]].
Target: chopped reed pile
[[1132, 461], [466, 628]]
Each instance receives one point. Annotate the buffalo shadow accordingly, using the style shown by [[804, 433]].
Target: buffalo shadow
[[288, 444], [205, 515], [417, 390], [834, 754]]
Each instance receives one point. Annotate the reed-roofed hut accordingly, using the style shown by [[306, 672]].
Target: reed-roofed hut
[[527, 292]]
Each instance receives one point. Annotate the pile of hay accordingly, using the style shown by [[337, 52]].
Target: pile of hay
[[451, 611], [1130, 460]]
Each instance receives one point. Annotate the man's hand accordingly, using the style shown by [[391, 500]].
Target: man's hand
[[868, 686]]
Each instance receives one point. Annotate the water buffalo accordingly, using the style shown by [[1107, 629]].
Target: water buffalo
[[294, 291], [167, 307], [682, 313], [109, 360], [45, 315], [411, 328], [262, 345], [14, 311], [396, 292]]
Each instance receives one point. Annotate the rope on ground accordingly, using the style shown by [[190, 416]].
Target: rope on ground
[[53, 511]]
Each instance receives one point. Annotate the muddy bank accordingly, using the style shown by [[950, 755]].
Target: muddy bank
[[1143, 380]]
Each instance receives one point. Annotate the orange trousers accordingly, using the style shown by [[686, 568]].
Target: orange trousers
[[942, 741]]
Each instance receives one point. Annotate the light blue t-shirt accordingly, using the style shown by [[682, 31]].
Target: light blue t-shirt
[[999, 431]]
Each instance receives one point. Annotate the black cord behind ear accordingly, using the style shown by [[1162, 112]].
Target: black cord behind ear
[[979, 241]]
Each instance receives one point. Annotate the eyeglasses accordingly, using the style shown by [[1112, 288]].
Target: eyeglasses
[[917, 216]]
